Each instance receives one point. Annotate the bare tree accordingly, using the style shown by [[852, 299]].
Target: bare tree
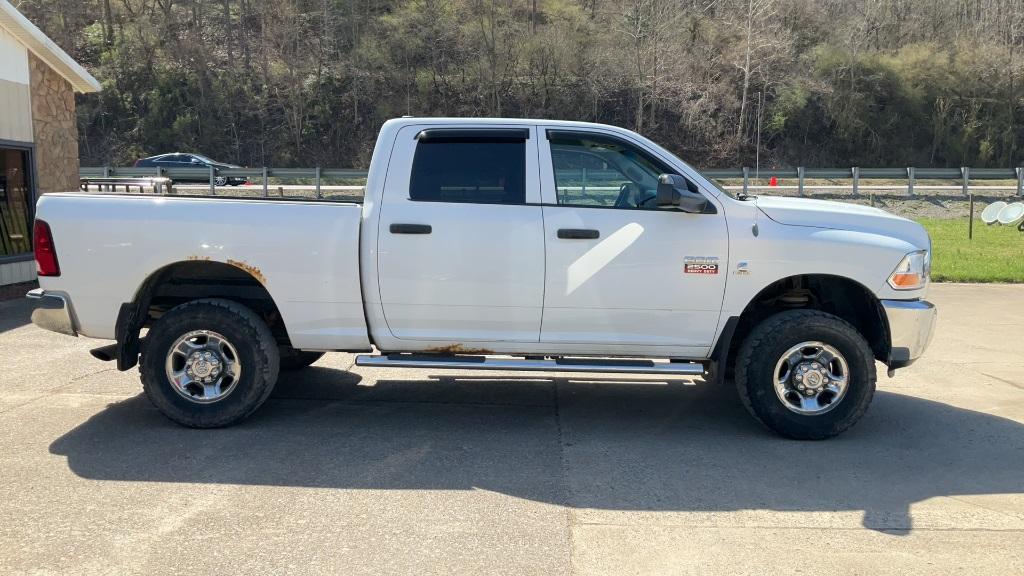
[[647, 25], [761, 42]]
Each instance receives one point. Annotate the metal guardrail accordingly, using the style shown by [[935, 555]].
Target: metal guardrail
[[113, 171], [964, 175]]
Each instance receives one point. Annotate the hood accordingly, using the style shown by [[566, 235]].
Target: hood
[[842, 216]]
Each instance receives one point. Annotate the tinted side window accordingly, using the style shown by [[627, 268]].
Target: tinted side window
[[478, 172]]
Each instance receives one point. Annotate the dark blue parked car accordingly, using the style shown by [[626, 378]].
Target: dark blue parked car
[[185, 160]]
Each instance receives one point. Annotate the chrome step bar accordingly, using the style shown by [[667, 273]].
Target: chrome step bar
[[610, 366]]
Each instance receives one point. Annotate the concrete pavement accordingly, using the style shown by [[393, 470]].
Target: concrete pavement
[[419, 472]]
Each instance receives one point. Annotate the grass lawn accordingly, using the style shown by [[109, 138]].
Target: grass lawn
[[996, 254]]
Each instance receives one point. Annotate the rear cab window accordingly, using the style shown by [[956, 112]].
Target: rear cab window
[[478, 166]]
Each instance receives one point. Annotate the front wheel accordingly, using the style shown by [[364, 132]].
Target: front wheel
[[209, 363], [806, 374], [220, 181]]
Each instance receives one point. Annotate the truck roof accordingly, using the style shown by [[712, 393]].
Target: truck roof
[[412, 120]]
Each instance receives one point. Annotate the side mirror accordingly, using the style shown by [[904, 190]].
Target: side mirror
[[674, 191]]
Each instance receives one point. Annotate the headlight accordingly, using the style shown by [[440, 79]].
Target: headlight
[[912, 272]]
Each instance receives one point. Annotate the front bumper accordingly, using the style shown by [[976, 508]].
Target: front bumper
[[53, 312], [911, 326]]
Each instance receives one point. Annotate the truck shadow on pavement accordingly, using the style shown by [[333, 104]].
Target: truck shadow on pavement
[[617, 445], [14, 314]]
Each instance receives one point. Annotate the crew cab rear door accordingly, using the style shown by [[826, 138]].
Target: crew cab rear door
[[620, 270], [461, 237]]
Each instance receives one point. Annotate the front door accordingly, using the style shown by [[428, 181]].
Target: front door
[[621, 271], [461, 236]]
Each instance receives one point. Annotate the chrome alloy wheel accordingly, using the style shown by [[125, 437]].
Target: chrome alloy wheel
[[811, 378], [203, 366], [220, 181]]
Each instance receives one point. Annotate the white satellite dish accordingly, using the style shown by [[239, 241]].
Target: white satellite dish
[[991, 212], [1011, 213]]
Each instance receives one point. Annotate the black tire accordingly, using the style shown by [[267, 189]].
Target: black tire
[[292, 359], [257, 356], [770, 340]]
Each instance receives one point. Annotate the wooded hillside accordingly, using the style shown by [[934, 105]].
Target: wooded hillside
[[308, 82]]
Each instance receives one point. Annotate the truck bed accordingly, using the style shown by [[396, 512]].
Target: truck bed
[[305, 252]]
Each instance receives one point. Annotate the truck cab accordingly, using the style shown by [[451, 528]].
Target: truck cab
[[526, 239]]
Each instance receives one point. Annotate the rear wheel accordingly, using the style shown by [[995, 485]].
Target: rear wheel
[[806, 374], [209, 363]]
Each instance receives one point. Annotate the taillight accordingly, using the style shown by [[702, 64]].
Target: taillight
[[46, 253]]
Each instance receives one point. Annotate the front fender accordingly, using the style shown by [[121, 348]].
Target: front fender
[[780, 251]]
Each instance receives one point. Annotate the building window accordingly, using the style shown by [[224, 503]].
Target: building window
[[15, 202]]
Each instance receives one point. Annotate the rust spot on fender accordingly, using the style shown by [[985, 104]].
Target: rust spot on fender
[[256, 272], [458, 349]]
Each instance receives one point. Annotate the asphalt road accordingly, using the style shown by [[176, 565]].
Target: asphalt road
[[423, 472]]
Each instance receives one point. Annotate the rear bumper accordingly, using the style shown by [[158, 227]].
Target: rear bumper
[[911, 326], [53, 312]]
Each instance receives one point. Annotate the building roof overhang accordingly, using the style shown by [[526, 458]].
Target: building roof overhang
[[45, 49]]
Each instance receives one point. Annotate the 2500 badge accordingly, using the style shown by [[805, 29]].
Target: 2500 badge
[[700, 265]]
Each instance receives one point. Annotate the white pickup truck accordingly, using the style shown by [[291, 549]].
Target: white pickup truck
[[495, 245]]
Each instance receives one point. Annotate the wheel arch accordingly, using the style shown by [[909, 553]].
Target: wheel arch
[[838, 295], [192, 279]]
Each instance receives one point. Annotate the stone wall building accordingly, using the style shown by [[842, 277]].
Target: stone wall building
[[38, 133]]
